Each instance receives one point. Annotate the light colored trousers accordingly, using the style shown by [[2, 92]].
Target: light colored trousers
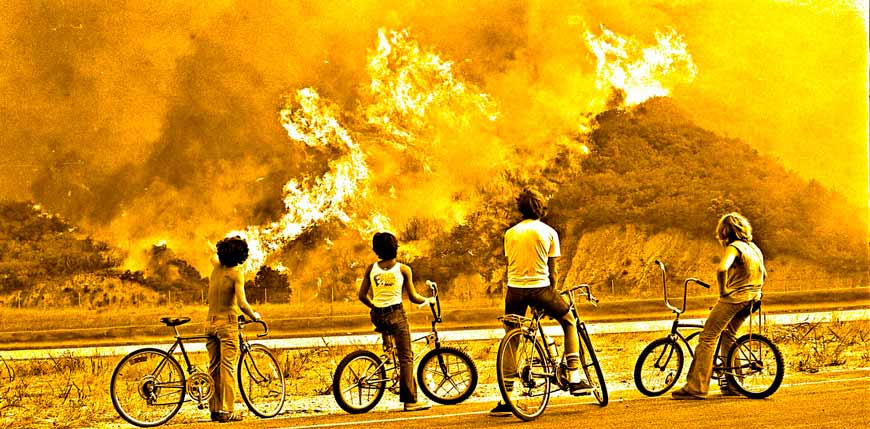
[[725, 319], [223, 347]]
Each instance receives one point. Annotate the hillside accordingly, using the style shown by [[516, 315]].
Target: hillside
[[653, 185], [646, 183]]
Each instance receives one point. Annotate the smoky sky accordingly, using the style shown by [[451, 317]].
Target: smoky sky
[[147, 118]]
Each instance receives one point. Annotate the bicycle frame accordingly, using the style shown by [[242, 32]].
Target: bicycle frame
[[676, 326], [536, 328]]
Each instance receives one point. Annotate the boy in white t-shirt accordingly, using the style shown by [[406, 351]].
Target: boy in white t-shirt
[[386, 281], [531, 248]]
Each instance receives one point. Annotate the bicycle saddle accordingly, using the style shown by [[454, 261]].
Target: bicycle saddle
[[174, 321]]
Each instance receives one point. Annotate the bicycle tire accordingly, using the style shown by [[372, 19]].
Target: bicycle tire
[[667, 364], [599, 387], [447, 368], [363, 371], [742, 357], [530, 367], [143, 381], [261, 381]]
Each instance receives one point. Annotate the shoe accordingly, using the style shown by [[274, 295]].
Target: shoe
[[228, 417], [581, 388], [417, 406], [682, 393], [215, 416], [501, 410]]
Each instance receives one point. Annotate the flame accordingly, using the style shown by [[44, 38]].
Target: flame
[[413, 90], [314, 122], [642, 72]]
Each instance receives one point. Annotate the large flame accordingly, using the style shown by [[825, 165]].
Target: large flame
[[314, 122], [413, 89], [642, 72], [411, 94]]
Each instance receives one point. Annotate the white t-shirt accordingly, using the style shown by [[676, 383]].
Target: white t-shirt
[[528, 245], [386, 285]]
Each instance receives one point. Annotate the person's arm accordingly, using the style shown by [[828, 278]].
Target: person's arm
[[365, 288], [408, 285], [241, 298], [553, 266], [722, 273]]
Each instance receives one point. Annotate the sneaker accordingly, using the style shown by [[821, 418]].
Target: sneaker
[[682, 393], [417, 406], [228, 417], [581, 388], [501, 410]]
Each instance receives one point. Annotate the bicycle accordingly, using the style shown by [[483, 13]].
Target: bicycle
[[528, 363], [148, 386], [445, 374], [753, 366]]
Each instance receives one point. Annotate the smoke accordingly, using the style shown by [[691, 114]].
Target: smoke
[[150, 121]]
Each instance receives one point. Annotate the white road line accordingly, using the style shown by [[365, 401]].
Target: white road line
[[457, 335]]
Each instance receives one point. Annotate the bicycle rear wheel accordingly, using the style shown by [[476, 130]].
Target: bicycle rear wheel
[[523, 374], [447, 375], [261, 381], [147, 387], [754, 366], [658, 367], [359, 382], [592, 368]]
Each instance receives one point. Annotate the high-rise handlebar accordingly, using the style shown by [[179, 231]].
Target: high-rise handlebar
[[685, 288], [436, 308]]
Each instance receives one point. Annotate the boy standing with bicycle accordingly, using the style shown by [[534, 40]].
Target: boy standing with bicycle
[[385, 281], [226, 301], [532, 247]]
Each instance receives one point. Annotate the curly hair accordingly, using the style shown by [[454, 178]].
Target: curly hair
[[385, 245], [232, 251], [531, 204], [733, 227]]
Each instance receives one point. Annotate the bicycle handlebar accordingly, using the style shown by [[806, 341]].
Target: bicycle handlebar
[[436, 308], [685, 288], [588, 293], [244, 322]]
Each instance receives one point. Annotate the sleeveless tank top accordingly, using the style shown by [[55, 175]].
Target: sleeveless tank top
[[386, 285], [746, 274]]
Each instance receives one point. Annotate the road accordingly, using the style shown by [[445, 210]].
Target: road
[[829, 399]]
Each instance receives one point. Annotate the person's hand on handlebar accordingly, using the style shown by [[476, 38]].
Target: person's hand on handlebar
[[429, 300]]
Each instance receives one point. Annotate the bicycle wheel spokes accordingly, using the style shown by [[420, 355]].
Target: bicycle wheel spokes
[[147, 387], [658, 367], [447, 375], [261, 381], [524, 375], [755, 366], [359, 382]]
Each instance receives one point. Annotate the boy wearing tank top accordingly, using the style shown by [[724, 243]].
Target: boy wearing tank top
[[381, 290]]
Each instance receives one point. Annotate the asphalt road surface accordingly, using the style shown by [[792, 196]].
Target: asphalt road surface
[[838, 399]]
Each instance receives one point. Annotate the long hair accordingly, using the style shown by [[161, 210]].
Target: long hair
[[733, 227], [232, 251], [531, 204]]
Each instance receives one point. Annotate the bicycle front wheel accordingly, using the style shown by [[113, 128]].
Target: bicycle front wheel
[[658, 367], [592, 368], [359, 382], [261, 381], [754, 366], [447, 375], [523, 374], [147, 387]]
